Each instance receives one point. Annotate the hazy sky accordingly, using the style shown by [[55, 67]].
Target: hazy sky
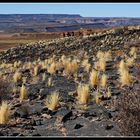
[[85, 9]]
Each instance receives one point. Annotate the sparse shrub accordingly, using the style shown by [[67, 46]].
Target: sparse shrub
[[119, 30], [4, 112], [83, 93], [52, 101]]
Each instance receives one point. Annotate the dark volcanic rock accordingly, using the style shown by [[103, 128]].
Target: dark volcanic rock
[[64, 113]]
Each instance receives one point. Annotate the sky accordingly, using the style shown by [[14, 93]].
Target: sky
[[85, 9]]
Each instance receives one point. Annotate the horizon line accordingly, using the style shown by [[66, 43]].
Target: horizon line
[[68, 14]]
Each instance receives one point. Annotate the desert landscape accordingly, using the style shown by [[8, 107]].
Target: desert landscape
[[69, 76]]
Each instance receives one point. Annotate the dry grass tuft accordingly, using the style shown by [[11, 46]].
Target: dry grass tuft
[[125, 78], [96, 98], [43, 76], [52, 101], [17, 76], [83, 93], [4, 113], [52, 68], [133, 51], [103, 82], [23, 93], [93, 79], [108, 93]]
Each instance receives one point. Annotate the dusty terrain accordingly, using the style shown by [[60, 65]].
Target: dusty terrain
[[32, 118]]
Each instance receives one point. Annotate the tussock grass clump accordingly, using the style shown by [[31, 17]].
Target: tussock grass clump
[[133, 51], [125, 78], [50, 82], [52, 101], [86, 65], [35, 71], [103, 81], [4, 113], [70, 67], [100, 54], [43, 76], [96, 98], [23, 93], [101, 64], [17, 77], [122, 67], [28, 65], [108, 93], [52, 68], [130, 61], [93, 79], [108, 55], [83, 93]]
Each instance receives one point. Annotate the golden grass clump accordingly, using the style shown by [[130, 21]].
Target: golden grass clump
[[130, 61], [43, 76], [23, 93], [108, 93], [93, 79], [43, 65], [133, 51], [52, 68], [4, 112], [102, 65], [96, 98], [52, 101], [122, 67], [24, 79], [108, 55], [100, 54], [17, 76], [50, 83], [83, 93], [70, 66], [28, 65], [125, 78], [35, 72], [86, 65], [103, 82]]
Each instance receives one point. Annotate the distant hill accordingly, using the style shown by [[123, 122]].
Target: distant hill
[[20, 23]]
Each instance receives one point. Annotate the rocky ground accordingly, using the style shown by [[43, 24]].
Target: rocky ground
[[32, 118]]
